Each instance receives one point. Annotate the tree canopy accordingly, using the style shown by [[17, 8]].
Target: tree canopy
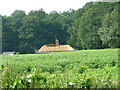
[[93, 26]]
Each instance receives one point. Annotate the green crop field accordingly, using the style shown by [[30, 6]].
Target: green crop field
[[77, 69]]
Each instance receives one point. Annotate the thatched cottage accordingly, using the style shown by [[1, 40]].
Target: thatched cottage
[[55, 48]]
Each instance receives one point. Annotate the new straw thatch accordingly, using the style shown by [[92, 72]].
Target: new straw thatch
[[55, 48]]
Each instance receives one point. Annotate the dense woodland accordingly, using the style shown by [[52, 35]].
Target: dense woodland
[[94, 26]]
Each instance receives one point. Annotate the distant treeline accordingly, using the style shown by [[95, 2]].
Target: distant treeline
[[93, 26]]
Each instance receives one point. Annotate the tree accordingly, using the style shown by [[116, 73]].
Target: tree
[[93, 26], [109, 30]]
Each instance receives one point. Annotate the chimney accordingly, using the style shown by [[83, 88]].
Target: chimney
[[57, 42]]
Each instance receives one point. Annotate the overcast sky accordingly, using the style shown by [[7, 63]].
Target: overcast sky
[[9, 6]]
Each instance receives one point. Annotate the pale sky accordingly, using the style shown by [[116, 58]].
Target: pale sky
[[7, 7]]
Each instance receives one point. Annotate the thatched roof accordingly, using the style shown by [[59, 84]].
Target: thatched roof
[[54, 48]]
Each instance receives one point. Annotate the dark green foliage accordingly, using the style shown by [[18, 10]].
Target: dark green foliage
[[93, 26]]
